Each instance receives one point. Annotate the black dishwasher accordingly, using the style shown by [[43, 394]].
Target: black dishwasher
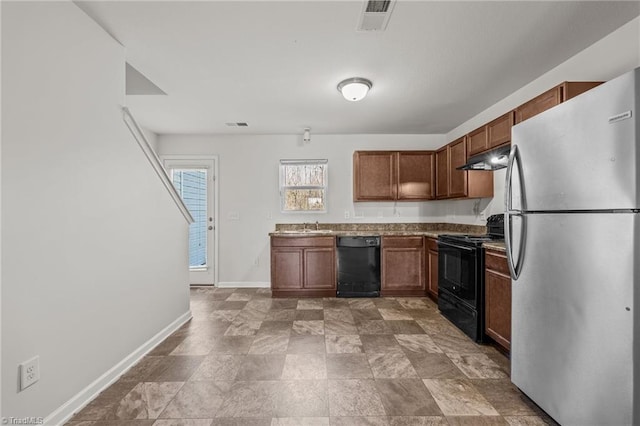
[[358, 266]]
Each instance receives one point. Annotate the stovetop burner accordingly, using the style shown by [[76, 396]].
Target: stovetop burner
[[495, 228]]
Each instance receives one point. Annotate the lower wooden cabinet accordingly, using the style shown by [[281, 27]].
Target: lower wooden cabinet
[[403, 266], [303, 266], [319, 268], [497, 293], [432, 268]]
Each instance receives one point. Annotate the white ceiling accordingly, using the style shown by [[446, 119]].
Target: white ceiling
[[276, 65]]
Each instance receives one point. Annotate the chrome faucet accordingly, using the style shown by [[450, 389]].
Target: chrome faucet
[[317, 226]]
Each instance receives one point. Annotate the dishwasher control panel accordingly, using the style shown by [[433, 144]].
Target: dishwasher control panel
[[360, 241]]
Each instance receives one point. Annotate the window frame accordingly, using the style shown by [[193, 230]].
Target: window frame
[[282, 187]]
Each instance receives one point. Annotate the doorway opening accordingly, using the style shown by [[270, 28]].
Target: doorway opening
[[194, 179]]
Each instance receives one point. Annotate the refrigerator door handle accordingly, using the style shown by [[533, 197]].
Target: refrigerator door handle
[[514, 158], [514, 267]]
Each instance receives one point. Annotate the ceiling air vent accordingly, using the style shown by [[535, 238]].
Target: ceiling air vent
[[375, 15]]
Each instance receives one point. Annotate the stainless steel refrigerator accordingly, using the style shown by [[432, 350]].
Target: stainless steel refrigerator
[[572, 225]]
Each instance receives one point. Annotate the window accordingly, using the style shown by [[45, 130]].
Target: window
[[303, 185], [192, 187]]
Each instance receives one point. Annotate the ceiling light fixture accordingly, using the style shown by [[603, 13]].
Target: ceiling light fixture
[[355, 88]]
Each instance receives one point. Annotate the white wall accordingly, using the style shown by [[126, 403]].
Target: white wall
[[608, 58], [248, 180], [94, 257], [1, 412], [152, 137]]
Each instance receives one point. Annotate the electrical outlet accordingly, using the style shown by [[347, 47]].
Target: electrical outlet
[[347, 215], [29, 372]]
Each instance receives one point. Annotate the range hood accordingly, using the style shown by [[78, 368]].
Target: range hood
[[490, 160]]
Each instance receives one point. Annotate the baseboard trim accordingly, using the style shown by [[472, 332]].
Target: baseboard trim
[[244, 284], [82, 398]]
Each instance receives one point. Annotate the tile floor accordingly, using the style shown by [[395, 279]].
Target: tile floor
[[248, 359]]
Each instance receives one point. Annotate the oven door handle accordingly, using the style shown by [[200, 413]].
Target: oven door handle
[[455, 246]]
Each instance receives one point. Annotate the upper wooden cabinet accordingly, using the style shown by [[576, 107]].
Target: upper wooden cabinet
[[491, 135], [453, 183], [374, 176], [553, 97], [499, 130], [477, 141], [457, 178], [415, 175], [442, 172], [393, 175]]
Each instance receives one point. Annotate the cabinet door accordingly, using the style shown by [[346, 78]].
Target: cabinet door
[[497, 299], [415, 175], [319, 268], [571, 89], [286, 268], [499, 130], [432, 268], [403, 265], [477, 141], [539, 104], [442, 173], [374, 175], [457, 178]]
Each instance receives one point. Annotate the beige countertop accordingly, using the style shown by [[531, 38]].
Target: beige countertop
[[432, 230], [328, 233], [495, 245], [383, 229]]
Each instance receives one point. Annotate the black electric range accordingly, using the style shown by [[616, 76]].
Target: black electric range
[[461, 277]]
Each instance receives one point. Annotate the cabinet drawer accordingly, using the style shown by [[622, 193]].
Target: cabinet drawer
[[402, 242], [432, 244], [303, 241], [496, 261]]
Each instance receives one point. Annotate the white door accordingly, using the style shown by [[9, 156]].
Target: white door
[[194, 180]]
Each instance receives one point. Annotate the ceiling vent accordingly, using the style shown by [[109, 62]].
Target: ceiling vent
[[375, 15]]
